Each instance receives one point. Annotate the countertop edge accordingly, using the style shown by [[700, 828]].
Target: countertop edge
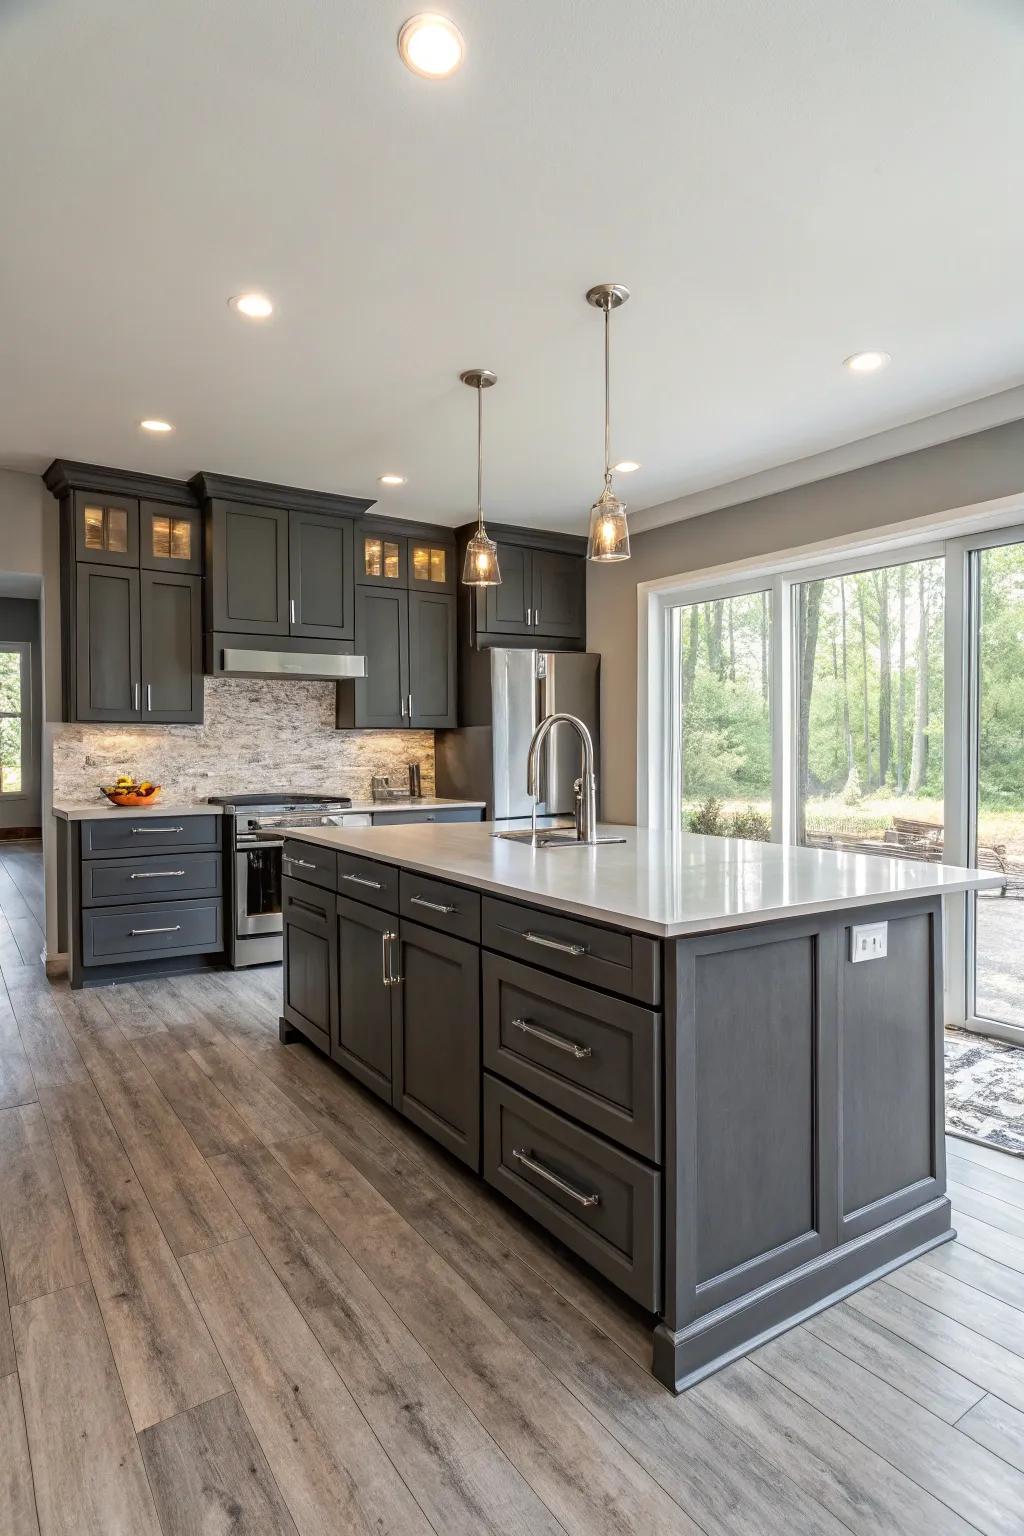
[[85, 810]]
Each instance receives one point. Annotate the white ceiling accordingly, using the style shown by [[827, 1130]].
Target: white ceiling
[[780, 182]]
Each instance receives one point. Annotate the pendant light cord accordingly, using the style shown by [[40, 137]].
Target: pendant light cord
[[607, 395], [480, 459]]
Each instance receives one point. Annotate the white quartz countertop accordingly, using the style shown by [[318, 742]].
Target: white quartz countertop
[[662, 883], [87, 810]]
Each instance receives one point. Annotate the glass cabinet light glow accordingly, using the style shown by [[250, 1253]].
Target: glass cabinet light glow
[[481, 568], [609, 531]]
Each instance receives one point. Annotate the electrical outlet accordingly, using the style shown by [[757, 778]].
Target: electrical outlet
[[869, 941]]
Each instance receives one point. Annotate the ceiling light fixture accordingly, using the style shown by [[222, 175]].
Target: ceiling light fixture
[[609, 533], [625, 466], [254, 306], [866, 362], [154, 424], [391, 479], [481, 567], [431, 46]]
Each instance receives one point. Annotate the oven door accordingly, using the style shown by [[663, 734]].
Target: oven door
[[257, 887]]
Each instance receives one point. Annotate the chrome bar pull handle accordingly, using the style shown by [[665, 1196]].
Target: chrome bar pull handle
[[581, 1052], [553, 1178], [434, 906], [148, 830], [385, 967], [149, 697], [374, 885], [156, 874], [394, 981], [564, 949], [135, 696], [289, 858], [291, 611], [172, 929]]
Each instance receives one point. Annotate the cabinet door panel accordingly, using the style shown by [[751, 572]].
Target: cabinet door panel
[[382, 636], [382, 559], [250, 569], [172, 667], [310, 961], [107, 643], [432, 660], [507, 607], [431, 565], [320, 576], [559, 593], [437, 1038], [106, 529], [170, 538], [363, 1043]]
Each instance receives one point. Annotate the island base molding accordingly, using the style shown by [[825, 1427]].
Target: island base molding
[[685, 1357]]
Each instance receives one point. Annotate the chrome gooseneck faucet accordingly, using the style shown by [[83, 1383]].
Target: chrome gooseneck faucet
[[586, 785]]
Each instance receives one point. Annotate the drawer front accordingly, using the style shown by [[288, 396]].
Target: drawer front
[[149, 834], [109, 882], [602, 1203], [307, 904], [594, 1057], [619, 962], [151, 932], [440, 905], [303, 861], [455, 813], [365, 880]]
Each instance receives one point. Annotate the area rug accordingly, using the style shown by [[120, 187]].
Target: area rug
[[985, 1090]]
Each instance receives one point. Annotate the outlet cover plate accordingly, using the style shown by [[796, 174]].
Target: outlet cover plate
[[869, 941]]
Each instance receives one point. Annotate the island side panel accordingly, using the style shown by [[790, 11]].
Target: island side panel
[[803, 1125]]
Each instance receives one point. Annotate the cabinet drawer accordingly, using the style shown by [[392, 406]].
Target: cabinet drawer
[[409, 818], [440, 905], [307, 903], [595, 1057], [150, 932], [366, 880], [620, 962], [106, 882], [304, 861], [602, 1203], [149, 834]]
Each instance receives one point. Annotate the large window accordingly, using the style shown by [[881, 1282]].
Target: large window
[[14, 721], [870, 711], [725, 742]]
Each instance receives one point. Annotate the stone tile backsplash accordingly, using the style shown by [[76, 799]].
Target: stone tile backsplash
[[258, 735]]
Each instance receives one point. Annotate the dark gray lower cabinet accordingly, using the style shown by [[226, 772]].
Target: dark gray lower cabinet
[[363, 1040], [310, 960], [436, 1052], [151, 932]]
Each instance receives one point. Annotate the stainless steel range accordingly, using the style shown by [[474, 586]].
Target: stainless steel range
[[255, 827]]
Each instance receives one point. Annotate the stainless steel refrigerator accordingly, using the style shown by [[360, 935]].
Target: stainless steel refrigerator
[[504, 701]]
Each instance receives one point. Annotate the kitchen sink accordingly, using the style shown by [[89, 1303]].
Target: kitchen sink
[[553, 837]]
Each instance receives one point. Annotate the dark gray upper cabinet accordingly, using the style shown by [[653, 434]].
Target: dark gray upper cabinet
[[107, 644], [401, 554], [248, 579], [172, 647], [432, 673], [382, 558], [170, 538], [381, 698], [106, 528], [320, 576], [542, 595]]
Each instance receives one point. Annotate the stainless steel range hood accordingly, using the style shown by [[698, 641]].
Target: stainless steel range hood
[[248, 661]]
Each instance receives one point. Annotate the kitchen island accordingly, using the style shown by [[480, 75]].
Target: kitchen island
[[711, 1068]]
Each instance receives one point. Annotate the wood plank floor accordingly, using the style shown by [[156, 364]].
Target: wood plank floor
[[238, 1294]]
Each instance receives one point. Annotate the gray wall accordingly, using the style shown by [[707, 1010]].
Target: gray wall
[[19, 620], [971, 469]]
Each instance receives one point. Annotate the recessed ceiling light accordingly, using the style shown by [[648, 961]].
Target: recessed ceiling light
[[866, 362], [625, 466], [431, 46], [154, 424], [392, 479], [254, 306]]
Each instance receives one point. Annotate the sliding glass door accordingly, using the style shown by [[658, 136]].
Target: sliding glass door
[[997, 841], [724, 762]]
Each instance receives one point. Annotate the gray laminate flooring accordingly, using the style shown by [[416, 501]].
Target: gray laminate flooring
[[239, 1294]]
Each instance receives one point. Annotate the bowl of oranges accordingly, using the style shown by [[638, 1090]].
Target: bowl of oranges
[[127, 791]]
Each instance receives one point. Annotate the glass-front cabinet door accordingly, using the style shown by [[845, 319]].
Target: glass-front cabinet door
[[169, 538], [382, 560], [431, 566], [106, 529]]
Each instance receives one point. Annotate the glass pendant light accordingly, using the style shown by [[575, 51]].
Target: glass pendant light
[[609, 533], [481, 564]]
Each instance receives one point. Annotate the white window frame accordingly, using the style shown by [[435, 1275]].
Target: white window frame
[[955, 536], [23, 648]]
